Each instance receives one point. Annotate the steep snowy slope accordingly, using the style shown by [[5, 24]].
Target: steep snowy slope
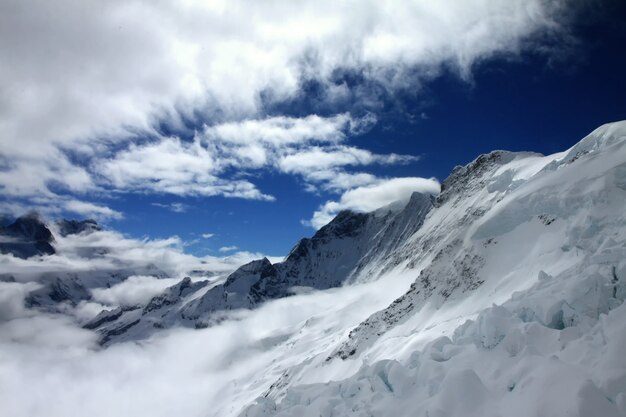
[[341, 252], [543, 240]]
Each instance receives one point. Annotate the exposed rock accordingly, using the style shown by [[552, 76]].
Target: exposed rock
[[27, 236], [74, 227]]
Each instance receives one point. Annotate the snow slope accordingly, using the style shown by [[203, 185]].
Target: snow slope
[[517, 306]]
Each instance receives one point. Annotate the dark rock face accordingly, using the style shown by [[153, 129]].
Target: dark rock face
[[345, 224], [27, 236], [74, 227], [269, 285], [472, 176]]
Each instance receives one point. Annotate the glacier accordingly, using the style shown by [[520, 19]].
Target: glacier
[[503, 295]]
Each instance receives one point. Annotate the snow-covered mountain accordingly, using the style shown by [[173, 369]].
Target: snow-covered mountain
[[517, 306], [501, 295], [341, 252]]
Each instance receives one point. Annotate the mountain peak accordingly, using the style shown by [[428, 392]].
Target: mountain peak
[[347, 223], [27, 236], [469, 177], [74, 227]]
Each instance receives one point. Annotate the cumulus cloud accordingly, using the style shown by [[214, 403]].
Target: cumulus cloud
[[121, 69], [372, 197], [172, 166], [207, 235], [310, 147]]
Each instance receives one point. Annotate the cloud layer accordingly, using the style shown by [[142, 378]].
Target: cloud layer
[[86, 87], [50, 366]]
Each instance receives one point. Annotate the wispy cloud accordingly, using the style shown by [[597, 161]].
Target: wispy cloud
[[175, 207], [91, 210], [224, 249], [310, 147], [56, 205]]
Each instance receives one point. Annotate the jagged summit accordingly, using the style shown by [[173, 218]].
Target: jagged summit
[[73, 227], [27, 236], [346, 224], [471, 176], [339, 253]]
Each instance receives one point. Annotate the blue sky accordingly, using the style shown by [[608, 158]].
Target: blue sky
[[242, 137]]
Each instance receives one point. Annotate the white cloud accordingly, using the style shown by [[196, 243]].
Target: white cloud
[[318, 158], [173, 166], [56, 205], [91, 210], [280, 131], [326, 166], [135, 290], [12, 296], [207, 235], [372, 197], [228, 248], [110, 251], [309, 147], [94, 75], [29, 175]]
